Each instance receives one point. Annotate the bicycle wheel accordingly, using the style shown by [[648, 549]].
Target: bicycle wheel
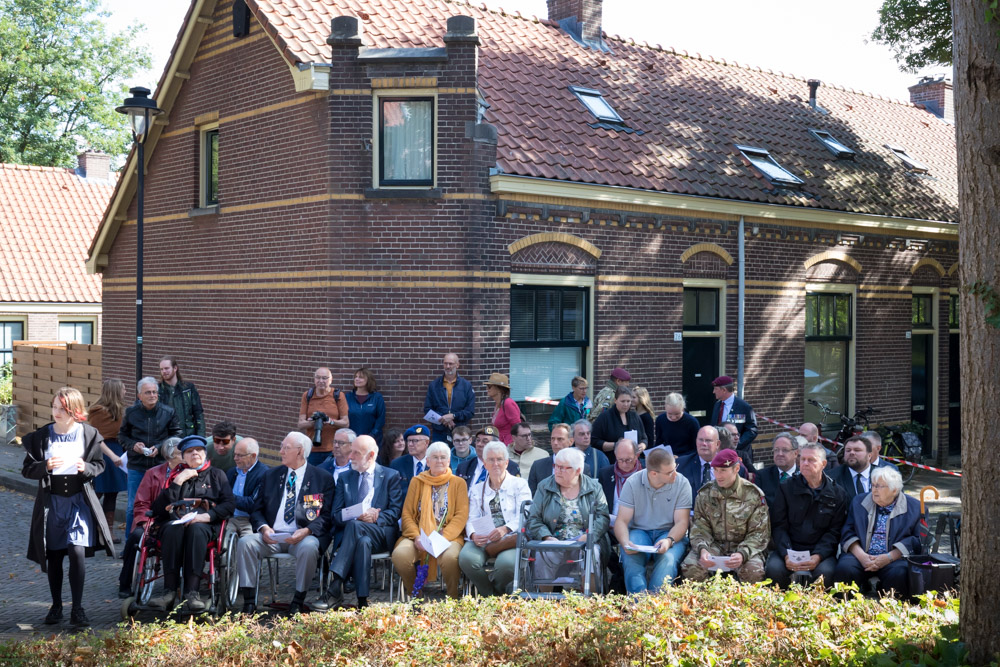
[[893, 448]]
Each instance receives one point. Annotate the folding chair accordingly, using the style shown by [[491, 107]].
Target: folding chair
[[587, 563]]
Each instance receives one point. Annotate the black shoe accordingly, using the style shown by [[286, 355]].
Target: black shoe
[[78, 618], [163, 603], [295, 607], [335, 593], [194, 602], [55, 615], [124, 593], [349, 586], [249, 609], [362, 603]]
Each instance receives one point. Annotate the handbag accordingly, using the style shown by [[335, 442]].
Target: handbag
[[508, 541]]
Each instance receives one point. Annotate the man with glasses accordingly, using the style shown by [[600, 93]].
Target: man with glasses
[[523, 451], [340, 459], [452, 397], [245, 478], [653, 511], [474, 470], [331, 406], [224, 439], [785, 450], [418, 439], [462, 451], [614, 476]]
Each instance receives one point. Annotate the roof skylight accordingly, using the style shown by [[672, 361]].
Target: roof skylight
[[761, 158], [597, 105], [832, 145], [911, 163]]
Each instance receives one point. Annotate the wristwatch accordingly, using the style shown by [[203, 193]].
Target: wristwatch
[[672, 541]]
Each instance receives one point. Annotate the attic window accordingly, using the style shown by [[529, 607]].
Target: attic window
[[911, 163], [832, 145], [597, 105], [761, 158]]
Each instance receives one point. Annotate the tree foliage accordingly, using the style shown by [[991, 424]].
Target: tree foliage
[[61, 75], [918, 32]]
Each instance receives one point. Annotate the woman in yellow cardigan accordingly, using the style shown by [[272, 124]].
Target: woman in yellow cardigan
[[436, 500]]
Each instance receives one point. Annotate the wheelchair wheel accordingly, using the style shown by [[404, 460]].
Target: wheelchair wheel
[[128, 608], [230, 577], [144, 589]]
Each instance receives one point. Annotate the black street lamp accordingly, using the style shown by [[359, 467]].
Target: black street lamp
[[140, 111]]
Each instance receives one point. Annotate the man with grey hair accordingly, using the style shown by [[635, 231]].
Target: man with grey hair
[[876, 440], [291, 515], [340, 456], [613, 477], [653, 511], [785, 450], [245, 478], [594, 460], [144, 427], [810, 432]]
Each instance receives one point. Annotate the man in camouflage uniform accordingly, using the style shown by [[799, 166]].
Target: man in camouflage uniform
[[606, 396], [730, 519]]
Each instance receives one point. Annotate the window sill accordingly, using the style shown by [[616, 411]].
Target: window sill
[[199, 212], [402, 193]]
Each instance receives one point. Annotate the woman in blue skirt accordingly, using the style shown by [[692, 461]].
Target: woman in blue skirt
[[106, 416], [65, 457]]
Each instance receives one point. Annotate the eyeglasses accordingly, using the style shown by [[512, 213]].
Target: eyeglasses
[[563, 468], [221, 441], [237, 455], [627, 461], [880, 487], [524, 435]]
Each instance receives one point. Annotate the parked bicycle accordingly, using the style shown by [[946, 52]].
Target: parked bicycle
[[896, 443]]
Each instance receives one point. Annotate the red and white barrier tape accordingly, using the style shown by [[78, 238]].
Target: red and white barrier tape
[[543, 401], [887, 458]]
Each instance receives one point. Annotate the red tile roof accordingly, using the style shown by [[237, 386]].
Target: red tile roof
[[47, 217], [691, 111]]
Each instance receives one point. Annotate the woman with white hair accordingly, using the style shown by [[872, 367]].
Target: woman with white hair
[[498, 498], [882, 529], [438, 501], [561, 508]]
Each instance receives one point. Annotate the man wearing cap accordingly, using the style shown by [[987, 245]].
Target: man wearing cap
[[418, 439], [606, 396], [731, 408], [523, 451], [730, 521], [473, 470], [291, 515], [451, 397]]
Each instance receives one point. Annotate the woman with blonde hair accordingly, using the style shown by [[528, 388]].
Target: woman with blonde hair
[[106, 416], [65, 456]]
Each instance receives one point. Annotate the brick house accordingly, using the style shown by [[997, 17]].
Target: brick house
[[47, 217], [350, 183]]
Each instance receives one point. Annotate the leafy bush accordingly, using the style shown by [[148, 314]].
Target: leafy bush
[[721, 622], [6, 384]]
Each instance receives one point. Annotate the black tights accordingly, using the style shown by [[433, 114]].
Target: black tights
[[76, 573], [108, 502]]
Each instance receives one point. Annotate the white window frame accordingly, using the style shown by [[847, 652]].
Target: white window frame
[[587, 95], [764, 162], [722, 286], [79, 319], [23, 320], [834, 145], [377, 95], [911, 162]]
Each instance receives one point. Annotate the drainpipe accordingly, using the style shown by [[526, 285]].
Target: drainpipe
[[741, 325]]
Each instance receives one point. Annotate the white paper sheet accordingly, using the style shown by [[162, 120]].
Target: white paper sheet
[[613, 518], [798, 556], [352, 512], [641, 548], [187, 518], [565, 542], [435, 544], [482, 526], [68, 453], [720, 564], [123, 462], [433, 418], [632, 435], [280, 538]]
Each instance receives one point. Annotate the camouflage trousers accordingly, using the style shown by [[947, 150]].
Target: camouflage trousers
[[751, 571]]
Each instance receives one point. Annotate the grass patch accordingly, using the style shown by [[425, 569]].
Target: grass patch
[[721, 622]]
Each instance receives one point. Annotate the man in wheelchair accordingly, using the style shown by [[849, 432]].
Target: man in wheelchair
[[195, 500]]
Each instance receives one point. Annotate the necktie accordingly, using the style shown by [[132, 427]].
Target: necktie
[[482, 475], [706, 474], [363, 487], [290, 499], [722, 406], [859, 485], [783, 476], [420, 467]]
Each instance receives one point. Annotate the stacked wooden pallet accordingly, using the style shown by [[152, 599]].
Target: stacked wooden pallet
[[42, 367]]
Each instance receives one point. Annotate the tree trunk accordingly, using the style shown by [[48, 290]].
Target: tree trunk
[[977, 117]]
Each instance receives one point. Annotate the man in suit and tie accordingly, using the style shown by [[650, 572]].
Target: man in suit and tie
[[730, 408], [855, 475], [418, 439], [697, 467], [245, 478], [474, 471], [379, 491], [559, 440], [293, 504], [876, 440], [785, 450]]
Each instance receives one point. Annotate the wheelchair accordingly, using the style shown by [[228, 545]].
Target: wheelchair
[[221, 575], [585, 566]]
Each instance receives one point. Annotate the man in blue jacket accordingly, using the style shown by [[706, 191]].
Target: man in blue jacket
[[731, 408], [245, 479], [451, 397]]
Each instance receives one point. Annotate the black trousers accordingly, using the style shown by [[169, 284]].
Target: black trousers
[[128, 559], [187, 545], [776, 571], [354, 555]]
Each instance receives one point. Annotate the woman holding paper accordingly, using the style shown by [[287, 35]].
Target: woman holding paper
[[195, 499], [436, 507], [494, 518], [106, 416], [621, 421], [65, 457]]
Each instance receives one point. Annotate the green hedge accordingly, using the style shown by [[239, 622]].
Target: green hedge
[[721, 622]]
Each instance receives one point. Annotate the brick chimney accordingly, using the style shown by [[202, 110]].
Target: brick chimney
[[581, 19], [934, 93], [93, 165]]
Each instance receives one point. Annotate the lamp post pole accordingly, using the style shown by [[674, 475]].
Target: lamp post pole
[[140, 110]]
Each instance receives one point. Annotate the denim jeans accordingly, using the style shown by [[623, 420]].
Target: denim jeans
[[134, 479], [664, 565]]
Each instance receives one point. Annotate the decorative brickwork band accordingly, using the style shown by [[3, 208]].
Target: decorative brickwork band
[[953, 269], [555, 237], [713, 248], [928, 261], [833, 256]]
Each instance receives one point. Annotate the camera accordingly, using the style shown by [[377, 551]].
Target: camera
[[318, 418]]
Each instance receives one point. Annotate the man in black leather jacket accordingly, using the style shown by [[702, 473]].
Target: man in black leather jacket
[[144, 426]]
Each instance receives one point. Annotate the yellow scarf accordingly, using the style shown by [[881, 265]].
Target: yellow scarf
[[426, 521]]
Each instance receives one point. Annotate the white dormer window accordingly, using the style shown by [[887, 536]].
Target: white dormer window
[[597, 105], [761, 158], [911, 163], [832, 145]]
